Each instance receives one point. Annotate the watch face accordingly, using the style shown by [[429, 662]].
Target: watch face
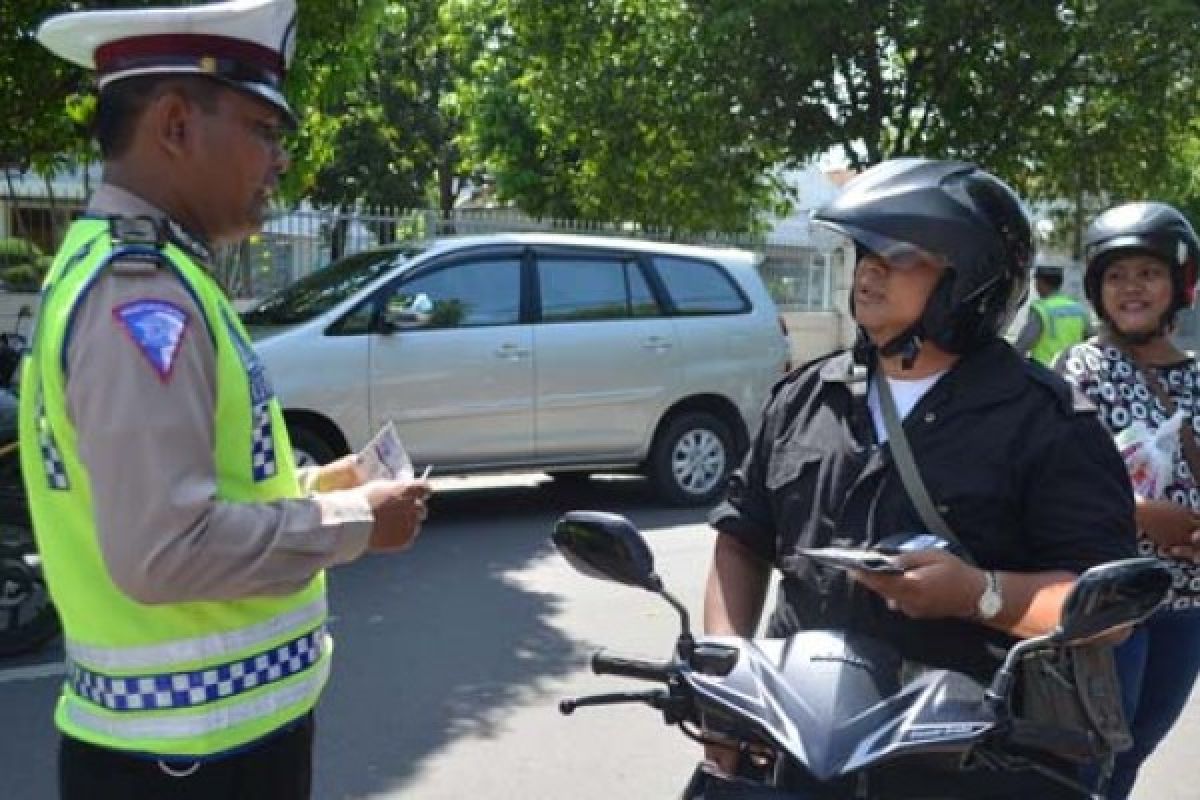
[[990, 601]]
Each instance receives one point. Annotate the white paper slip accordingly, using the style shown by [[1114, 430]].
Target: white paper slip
[[384, 456]]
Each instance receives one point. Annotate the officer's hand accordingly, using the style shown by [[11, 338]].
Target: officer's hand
[[1167, 524], [934, 585], [399, 508], [345, 473]]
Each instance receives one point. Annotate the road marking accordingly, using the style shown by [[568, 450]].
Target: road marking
[[33, 673]]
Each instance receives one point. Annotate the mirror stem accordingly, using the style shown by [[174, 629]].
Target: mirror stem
[[686, 645], [999, 694]]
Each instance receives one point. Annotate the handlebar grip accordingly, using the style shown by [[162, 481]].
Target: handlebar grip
[[604, 664]]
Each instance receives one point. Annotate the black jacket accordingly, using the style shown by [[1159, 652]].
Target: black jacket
[[1017, 464]]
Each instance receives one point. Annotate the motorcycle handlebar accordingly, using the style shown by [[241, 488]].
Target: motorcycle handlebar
[[604, 664]]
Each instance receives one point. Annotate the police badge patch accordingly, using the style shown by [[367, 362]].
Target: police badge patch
[[157, 328]]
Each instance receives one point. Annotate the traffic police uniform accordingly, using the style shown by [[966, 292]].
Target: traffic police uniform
[[180, 543], [1063, 322]]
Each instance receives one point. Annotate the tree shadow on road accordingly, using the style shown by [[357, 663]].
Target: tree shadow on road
[[440, 643]]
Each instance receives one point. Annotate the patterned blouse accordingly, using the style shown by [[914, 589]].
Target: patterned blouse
[[1108, 378]]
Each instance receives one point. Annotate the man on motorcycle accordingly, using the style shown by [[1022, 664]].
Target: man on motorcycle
[[1018, 466]]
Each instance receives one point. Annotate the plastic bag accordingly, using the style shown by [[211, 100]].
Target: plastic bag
[[1150, 454]]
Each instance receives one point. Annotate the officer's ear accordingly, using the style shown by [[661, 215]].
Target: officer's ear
[[172, 121]]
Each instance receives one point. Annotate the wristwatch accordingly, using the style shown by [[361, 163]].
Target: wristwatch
[[991, 601]]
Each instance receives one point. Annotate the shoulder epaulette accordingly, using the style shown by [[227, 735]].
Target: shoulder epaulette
[[137, 231]]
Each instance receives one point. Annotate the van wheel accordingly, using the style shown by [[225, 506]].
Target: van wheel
[[691, 459], [309, 448]]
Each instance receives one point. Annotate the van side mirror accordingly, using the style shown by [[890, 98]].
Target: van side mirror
[[408, 311]]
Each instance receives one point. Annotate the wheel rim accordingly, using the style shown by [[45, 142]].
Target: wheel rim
[[698, 461], [22, 596], [303, 458]]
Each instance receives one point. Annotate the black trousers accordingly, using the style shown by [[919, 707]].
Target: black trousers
[[276, 768]]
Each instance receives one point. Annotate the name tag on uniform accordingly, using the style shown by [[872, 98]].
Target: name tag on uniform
[[156, 327]]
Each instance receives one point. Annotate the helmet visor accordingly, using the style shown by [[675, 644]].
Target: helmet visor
[[898, 254]]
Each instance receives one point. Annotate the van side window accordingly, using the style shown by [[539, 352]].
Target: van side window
[[699, 287], [579, 289], [464, 295]]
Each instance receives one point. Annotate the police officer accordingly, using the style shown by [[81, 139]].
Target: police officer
[[1055, 321], [1021, 471], [182, 546]]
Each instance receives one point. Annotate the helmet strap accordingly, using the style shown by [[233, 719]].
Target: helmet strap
[[907, 345]]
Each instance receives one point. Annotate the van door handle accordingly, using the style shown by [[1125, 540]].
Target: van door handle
[[658, 344], [511, 352]]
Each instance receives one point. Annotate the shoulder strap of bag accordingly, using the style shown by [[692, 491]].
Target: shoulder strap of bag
[[1187, 435], [906, 465]]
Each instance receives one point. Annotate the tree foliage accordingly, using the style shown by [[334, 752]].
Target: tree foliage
[[51, 98], [1076, 99], [396, 141], [606, 110]]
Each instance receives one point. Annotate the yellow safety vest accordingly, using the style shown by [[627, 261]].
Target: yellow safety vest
[[1064, 323], [190, 679]]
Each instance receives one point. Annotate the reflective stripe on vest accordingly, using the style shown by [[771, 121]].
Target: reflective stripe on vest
[[192, 678], [1064, 323], [204, 648], [197, 687], [180, 726]]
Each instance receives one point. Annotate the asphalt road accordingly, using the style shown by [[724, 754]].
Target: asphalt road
[[451, 659]]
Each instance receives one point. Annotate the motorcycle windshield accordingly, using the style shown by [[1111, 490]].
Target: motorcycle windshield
[[838, 703]]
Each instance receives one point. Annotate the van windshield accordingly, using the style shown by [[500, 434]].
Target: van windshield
[[322, 290]]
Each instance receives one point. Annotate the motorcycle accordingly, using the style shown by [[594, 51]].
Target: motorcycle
[[28, 620], [831, 715]]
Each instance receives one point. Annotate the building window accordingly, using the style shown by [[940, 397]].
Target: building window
[[799, 280]]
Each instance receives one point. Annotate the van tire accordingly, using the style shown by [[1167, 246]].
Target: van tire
[[309, 447], [691, 459]]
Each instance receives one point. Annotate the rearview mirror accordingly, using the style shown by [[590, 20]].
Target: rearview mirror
[[1111, 596], [608, 546]]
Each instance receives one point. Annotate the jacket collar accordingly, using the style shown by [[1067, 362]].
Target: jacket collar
[[992, 374]]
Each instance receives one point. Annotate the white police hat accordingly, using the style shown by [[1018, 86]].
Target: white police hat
[[247, 44]]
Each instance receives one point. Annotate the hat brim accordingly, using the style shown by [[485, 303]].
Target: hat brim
[[260, 91]]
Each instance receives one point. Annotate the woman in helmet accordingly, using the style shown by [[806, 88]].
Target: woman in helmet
[[1030, 484], [1141, 272]]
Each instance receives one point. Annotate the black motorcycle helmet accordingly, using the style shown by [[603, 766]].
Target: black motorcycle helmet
[[1153, 228], [960, 213]]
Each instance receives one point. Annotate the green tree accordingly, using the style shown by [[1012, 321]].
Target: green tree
[[396, 142], [50, 97], [607, 110], [1076, 99]]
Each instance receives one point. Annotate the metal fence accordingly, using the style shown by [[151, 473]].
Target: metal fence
[[298, 240]]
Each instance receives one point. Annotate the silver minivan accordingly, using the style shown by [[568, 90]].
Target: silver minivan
[[519, 352]]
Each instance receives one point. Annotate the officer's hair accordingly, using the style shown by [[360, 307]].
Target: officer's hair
[[1052, 279], [121, 104]]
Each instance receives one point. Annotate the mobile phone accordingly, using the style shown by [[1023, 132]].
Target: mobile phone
[[850, 558]]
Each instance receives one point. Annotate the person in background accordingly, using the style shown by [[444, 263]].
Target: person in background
[[1054, 322], [1020, 469], [1141, 261], [182, 546]]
